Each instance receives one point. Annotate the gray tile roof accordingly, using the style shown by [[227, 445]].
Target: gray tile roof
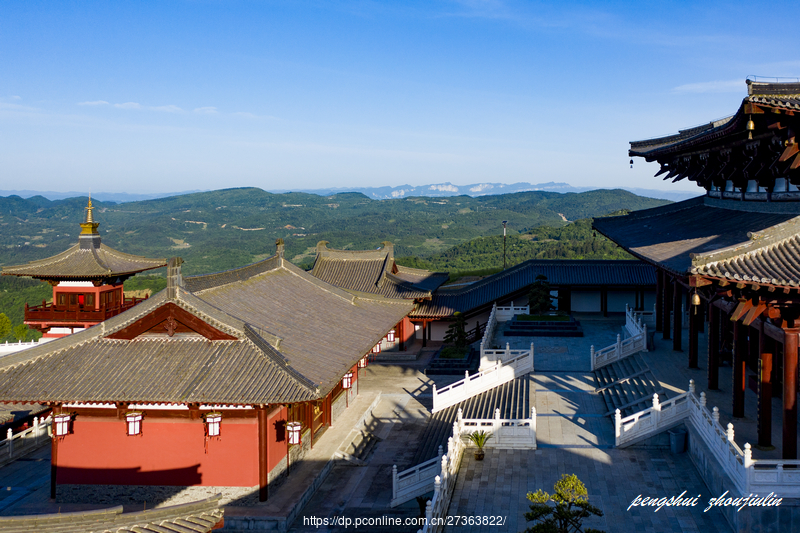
[[79, 263], [295, 336], [374, 271], [517, 279], [195, 517], [719, 238]]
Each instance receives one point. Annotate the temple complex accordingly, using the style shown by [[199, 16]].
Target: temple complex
[[220, 381], [87, 283], [730, 257]]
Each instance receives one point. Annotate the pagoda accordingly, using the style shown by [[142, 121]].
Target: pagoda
[[731, 256], [87, 283]]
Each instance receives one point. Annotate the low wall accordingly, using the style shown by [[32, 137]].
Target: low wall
[[750, 519]]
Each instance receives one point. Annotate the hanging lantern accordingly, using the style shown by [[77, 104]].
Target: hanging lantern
[[390, 336], [213, 422], [134, 419], [293, 430], [61, 423], [377, 348], [347, 380], [363, 362]]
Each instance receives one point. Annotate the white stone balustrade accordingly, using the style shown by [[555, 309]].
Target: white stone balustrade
[[747, 474], [16, 445], [637, 342]]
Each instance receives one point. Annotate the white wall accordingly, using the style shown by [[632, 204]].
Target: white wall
[[586, 301]]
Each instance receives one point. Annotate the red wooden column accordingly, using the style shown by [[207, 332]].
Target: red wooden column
[[400, 334], [667, 306], [740, 349], [263, 453], [53, 462], [694, 327], [789, 447], [659, 298], [677, 299], [424, 333], [765, 398], [713, 347]]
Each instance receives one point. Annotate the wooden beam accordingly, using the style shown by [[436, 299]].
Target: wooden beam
[[741, 309], [790, 150], [796, 163], [741, 285], [752, 109], [753, 313], [699, 281], [724, 283]]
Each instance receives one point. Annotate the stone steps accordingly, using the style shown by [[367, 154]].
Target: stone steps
[[627, 385], [512, 398]]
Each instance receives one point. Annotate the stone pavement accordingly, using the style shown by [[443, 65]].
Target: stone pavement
[[613, 478], [574, 437]]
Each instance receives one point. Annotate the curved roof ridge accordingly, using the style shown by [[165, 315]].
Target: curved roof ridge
[[759, 241]]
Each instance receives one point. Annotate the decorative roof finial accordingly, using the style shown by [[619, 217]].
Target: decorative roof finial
[[89, 226]]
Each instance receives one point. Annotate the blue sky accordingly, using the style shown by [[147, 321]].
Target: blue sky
[[180, 95]]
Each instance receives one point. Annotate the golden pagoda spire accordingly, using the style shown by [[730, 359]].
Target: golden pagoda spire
[[89, 226]]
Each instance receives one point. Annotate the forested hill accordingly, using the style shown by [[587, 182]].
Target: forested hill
[[223, 229]]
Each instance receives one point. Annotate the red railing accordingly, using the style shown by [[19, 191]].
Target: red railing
[[53, 313]]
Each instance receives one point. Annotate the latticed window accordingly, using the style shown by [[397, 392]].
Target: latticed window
[[134, 420], [213, 422], [61, 424]]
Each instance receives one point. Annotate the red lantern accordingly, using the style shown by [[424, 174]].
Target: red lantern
[[293, 430], [390, 336], [61, 423], [362, 363], [347, 380], [377, 348], [134, 419]]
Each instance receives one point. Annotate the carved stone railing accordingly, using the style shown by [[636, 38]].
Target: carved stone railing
[[18, 444], [637, 342], [507, 312], [11, 347], [440, 472], [747, 474], [513, 364]]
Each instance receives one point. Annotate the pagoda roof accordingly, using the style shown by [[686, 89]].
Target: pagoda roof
[[88, 260], [265, 333], [517, 280], [80, 263], [726, 239], [375, 272], [757, 143], [778, 96]]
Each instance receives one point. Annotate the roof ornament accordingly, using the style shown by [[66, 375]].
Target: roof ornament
[[89, 226]]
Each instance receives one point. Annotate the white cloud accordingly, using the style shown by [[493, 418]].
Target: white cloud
[[128, 105], [168, 108], [15, 97], [209, 110], [95, 102], [728, 86]]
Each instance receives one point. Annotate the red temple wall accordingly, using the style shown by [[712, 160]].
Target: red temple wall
[[276, 430], [407, 330], [170, 451]]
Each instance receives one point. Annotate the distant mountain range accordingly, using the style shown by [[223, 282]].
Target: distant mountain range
[[382, 193]]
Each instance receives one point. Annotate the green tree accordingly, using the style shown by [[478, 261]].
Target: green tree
[[571, 507], [539, 296], [5, 326], [457, 332], [21, 332]]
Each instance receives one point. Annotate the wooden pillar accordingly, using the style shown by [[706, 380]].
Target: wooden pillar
[[667, 307], [740, 349], [713, 347], [677, 299], [53, 463], [755, 347], [400, 333], [604, 301], [694, 328], [424, 333], [765, 399], [789, 445], [659, 299], [263, 453]]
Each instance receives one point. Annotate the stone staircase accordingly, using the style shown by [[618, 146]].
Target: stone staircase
[[628, 385], [514, 399]]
